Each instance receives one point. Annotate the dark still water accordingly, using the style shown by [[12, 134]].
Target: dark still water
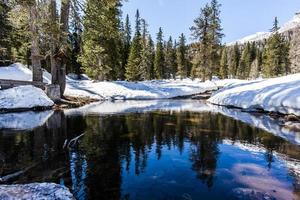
[[184, 155]]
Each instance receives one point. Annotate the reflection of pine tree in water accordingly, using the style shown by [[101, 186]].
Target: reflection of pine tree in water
[[101, 144], [204, 149], [78, 171]]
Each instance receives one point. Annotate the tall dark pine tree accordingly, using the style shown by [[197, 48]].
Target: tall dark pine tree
[[276, 54], [208, 32], [200, 32], [101, 38], [170, 59], [245, 62], [5, 35], [126, 42], [275, 25], [182, 67], [75, 38], [216, 37], [159, 60], [234, 60], [133, 72], [224, 64], [146, 59]]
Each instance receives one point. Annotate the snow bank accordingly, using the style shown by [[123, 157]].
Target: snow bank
[[277, 94], [35, 191], [156, 89], [19, 72], [24, 97], [24, 120]]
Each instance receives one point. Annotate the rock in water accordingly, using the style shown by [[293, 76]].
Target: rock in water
[[35, 191]]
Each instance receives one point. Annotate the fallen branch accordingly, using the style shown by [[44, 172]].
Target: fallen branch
[[74, 141]]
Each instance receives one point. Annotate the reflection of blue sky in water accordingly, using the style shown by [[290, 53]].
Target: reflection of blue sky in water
[[78, 170], [187, 173]]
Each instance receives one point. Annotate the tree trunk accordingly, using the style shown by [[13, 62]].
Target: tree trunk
[[37, 74], [59, 45], [61, 61], [53, 45]]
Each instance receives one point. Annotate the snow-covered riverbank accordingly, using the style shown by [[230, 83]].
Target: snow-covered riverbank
[[105, 90], [280, 94]]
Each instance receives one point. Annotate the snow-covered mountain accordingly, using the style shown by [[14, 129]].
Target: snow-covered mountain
[[290, 25]]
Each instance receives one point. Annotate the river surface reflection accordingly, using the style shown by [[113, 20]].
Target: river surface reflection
[[155, 150]]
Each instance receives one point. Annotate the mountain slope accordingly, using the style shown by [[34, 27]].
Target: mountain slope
[[294, 23]]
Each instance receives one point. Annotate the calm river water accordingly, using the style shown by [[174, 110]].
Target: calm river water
[[152, 150]]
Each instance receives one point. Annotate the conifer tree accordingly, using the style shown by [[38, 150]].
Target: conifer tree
[[126, 43], [275, 27], [147, 57], [276, 54], [5, 34], [101, 39], [75, 38], [245, 62], [216, 37], [170, 59], [234, 60], [159, 60], [200, 32], [181, 53], [133, 72], [207, 30], [224, 64]]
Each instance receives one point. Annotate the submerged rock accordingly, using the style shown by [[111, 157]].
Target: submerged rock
[[34, 191]]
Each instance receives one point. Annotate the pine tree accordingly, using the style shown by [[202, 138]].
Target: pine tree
[[234, 60], [276, 54], [216, 37], [5, 35], [224, 64], [126, 43], [133, 72], [275, 27], [147, 57], [200, 32], [207, 30], [75, 38], [101, 39], [245, 62], [170, 59], [181, 53], [159, 60]]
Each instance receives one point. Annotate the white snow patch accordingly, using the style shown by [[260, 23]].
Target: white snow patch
[[280, 94], [24, 97], [20, 72], [156, 89]]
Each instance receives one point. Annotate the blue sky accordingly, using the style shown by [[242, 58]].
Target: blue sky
[[239, 17]]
